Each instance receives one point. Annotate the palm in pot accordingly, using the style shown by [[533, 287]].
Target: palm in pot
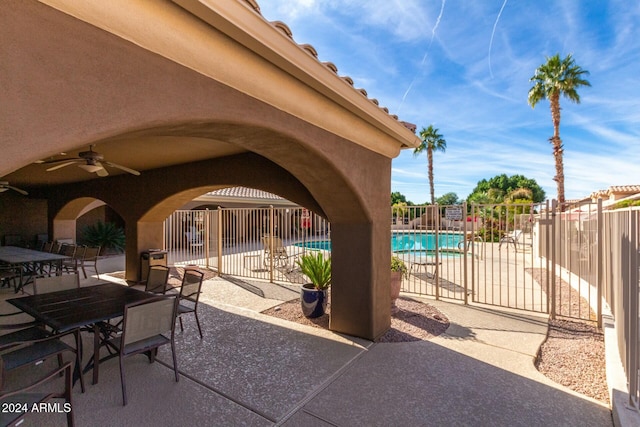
[[314, 295]]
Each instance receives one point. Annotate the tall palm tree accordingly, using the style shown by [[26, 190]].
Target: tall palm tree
[[554, 78], [431, 141]]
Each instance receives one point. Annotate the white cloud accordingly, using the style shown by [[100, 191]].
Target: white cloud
[[482, 113]]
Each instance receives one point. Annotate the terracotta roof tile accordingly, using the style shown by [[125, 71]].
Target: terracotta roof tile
[[244, 193], [630, 189]]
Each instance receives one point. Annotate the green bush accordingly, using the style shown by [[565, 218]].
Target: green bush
[[626, 204], [106, 235]]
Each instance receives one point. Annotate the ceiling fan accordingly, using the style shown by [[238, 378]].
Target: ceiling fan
[[91, 161], [4, 186]]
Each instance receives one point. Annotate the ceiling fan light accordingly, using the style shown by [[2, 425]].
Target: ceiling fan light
[[90, 168]]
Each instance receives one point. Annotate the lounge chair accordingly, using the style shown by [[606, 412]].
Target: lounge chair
[[419, 262], [275, 254], [472, 241], [514, 238]]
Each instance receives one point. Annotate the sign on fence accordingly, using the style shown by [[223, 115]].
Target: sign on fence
[[453, 213]]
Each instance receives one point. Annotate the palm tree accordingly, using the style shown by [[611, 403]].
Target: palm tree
[[431, 141], [554, 78]]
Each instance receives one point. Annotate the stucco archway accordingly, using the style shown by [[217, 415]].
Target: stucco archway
[[64, 221], [201, 96]]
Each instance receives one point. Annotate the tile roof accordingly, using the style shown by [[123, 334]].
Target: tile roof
[[616, 189], [244, 193], [630, 189], [284, 29]]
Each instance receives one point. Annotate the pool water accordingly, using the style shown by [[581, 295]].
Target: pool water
[[324, 245], [402, 242]]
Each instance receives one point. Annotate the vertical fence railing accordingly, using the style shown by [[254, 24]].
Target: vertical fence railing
[[572, 259], [185, 234], [506, 276], [260, 243], [521, 256], [621, 289], [430, 241]]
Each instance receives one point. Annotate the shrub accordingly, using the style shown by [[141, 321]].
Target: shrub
[[106, 235]]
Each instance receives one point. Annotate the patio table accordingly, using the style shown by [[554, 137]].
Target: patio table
[[91, 306], [29, 260]]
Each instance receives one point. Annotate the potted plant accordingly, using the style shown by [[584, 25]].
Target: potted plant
[[314, 295], [398, 269]]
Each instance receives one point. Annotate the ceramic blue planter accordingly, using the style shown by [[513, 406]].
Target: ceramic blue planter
[[313, 301]]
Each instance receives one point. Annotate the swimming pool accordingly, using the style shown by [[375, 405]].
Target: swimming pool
[[421, 241]]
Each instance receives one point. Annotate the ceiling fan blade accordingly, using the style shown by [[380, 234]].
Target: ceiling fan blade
[[24, 193], [103, 171], [52, 161], [62, 165], [124, 168]]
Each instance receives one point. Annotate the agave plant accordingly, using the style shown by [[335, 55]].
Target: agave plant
[[107, 235], [317, 269]]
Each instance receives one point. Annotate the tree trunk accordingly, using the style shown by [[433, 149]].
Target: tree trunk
[[430, 158], [557, 147]]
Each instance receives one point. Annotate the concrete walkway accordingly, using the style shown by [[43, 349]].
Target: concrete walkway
[[256, 370]]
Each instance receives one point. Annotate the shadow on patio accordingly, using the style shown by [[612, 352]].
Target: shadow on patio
[[252, 369]]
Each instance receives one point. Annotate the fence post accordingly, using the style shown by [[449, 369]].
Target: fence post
[[207, 231], [271, 241], [631, 259], [219, 241], [464, 252], [554, 207], [599, 263], [437, 247]]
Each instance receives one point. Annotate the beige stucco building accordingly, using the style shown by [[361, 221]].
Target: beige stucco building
[[197, 95]]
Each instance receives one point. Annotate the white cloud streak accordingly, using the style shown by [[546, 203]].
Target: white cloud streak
[[478, 97]]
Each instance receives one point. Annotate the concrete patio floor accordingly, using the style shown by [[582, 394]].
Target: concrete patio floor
[[256, 370]]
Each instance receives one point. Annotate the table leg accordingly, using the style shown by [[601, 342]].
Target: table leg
[[96, 352], [78, 368]]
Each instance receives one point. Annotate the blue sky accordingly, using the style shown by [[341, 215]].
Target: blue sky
[[464, 66]]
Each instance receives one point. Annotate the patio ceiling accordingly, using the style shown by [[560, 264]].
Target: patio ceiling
[[264, 49], [140, 152]]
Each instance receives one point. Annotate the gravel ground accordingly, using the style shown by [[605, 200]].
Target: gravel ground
[[572, 355], [414, 320]]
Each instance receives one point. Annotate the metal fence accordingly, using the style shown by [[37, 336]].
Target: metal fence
[[561, 260], [498, 254], [479, 253], [259, 243], [621, 288]]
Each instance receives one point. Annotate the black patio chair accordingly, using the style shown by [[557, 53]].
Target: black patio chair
[[10, 276], [31, 394], [44, 285], [90, 259], [190, 295], [23, 348], [157, 279], [145, 327]]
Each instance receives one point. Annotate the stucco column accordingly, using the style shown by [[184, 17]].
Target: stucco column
[[360, 289], [141, 236], [64, 229]]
